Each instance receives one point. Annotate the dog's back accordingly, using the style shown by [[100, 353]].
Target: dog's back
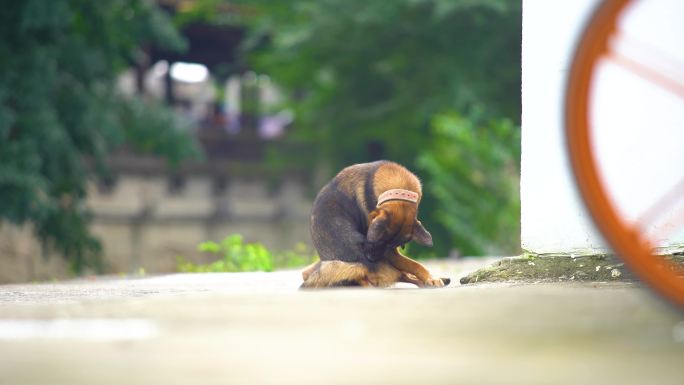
[[339, 220]]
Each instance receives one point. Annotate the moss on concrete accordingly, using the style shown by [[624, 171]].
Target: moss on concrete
[[557, 268]]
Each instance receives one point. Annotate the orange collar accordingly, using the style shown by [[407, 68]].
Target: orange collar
[[397, 194]]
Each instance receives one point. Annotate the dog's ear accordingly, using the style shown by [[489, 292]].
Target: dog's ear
[[421, 235], [379, 219]]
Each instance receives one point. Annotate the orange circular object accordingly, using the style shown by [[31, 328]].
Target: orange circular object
[[628, 243]]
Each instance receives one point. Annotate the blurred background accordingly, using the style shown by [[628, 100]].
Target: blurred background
[[155, 136]]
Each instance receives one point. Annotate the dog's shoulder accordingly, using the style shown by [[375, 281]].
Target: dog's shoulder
[[364, 182], [356, 181]]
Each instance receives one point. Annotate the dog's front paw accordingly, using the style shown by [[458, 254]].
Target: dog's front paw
[[437, 282]]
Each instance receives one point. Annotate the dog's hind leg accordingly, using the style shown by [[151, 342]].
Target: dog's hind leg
[[350, 274], [336, 274], [385, 275], [310, 269]]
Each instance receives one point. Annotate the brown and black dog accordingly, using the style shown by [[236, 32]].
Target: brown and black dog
[[358, 223]]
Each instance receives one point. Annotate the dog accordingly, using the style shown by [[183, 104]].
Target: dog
[[359, 221]]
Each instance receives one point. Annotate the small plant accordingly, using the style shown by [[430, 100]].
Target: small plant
[[236, 255], [301, 255]]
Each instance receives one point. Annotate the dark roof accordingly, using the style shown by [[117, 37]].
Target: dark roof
[[214, 45]]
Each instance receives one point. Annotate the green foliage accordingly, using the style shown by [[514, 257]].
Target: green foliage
[[473, 171], [208, 11], [236, 255], [60, 113], [371, 79], [300, 256], [363, 71]]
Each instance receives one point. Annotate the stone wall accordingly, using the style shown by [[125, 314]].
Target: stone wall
[[146, 221]]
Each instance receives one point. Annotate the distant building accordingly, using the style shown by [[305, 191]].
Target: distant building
[[148, 214]]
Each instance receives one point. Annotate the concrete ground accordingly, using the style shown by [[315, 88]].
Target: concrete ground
[[257, 328]]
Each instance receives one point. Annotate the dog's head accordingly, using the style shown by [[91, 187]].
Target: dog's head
[[395, 223]]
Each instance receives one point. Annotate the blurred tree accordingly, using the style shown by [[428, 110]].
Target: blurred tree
[[60, 113], [473, 172], [382, 79]]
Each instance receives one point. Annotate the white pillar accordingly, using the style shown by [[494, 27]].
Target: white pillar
[[553, 217]]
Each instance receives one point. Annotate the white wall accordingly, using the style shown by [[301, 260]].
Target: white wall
[[639, 128]]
